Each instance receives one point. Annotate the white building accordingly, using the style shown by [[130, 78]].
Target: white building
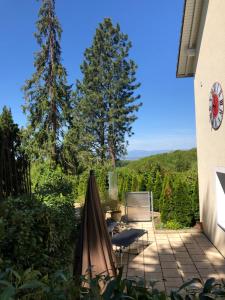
[[202, 55]]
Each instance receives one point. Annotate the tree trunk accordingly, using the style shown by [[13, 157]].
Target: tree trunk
[[112, 156], [52, 94]]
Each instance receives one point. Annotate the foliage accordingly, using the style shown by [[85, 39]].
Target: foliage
[[173, 224], [175, 188], [14, 167], [104, 99], [157, 190], [131, 181], [101, 174], [31, 284], [49, 182], [47, 93], [38, 234], [177, 203], [76, 155], [176, 161]]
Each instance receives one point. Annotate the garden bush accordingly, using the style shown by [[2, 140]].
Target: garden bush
[[48, 180], [178, 201], [35, 233], [31, 284]]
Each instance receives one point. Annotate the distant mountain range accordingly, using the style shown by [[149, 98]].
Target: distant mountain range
[[136, 154]]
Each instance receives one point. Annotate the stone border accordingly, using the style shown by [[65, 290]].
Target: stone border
[[187, 230]]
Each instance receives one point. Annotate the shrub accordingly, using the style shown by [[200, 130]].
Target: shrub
[[176, 202], [31, 284], [172, 224], [166, 199], [38, 234], [49, 181], [157, 190]]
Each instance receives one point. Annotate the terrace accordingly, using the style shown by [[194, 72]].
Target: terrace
[[173, 258]]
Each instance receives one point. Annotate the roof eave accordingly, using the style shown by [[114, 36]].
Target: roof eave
[[187, 54]]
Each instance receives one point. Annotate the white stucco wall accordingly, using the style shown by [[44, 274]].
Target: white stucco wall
[[210, 143]]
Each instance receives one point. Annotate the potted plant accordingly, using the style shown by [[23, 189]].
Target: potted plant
[[115, 210]]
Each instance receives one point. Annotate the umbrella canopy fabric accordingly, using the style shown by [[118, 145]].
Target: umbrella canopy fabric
[[94, 253]]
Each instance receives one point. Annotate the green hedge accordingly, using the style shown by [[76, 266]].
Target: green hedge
[[179, 200], [49, 181], [35, 233]]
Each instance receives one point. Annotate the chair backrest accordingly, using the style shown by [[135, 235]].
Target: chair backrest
[[138, 206]]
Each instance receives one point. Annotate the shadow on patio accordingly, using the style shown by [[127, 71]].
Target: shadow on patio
[[172, 258]]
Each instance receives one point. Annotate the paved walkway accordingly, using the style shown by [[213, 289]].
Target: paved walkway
[[173, 258]]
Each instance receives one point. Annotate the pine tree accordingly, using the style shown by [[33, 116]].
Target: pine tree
[[47, 93], [14, 169], [166, 199], [76, 154], [106, 100], [157, 190]]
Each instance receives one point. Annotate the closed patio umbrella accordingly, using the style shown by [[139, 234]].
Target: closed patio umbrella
[[94, 250]]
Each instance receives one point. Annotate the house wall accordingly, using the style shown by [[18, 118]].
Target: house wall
[[210, 143]]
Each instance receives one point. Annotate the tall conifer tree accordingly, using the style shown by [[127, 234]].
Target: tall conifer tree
[[107, 100], [47, 93]]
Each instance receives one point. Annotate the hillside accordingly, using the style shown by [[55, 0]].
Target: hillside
[[179, 160]]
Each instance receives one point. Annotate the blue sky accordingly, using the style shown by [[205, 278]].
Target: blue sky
[[166, 120]]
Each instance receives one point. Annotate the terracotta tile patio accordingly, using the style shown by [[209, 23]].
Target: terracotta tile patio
[[173, 258]]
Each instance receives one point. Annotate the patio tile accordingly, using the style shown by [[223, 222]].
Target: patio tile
[[205, 242], [179, 249], [152, 268], [217, 262], [173, 258], [185, 235], [168, 265], [182, 255], [214, 275], [203, 264], [198, 257], [221, 275], [163, 242], [167, 257], [161, 237], [173, 235], [189, 243], [134, 264], [175, 283], [135, 273], [170, 273], [138, 259], [176, 245], [213, 252], [184, 261], [192, 246], [188, 268], [197, 235], [189, 275], [195, 251], [220, 268], [151, 260], [153, 276], [175, 241], [163, 247], [150, 253], [165, 251], [207, 272]]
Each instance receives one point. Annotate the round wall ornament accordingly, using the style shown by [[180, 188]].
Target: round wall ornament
[[216, 105]]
